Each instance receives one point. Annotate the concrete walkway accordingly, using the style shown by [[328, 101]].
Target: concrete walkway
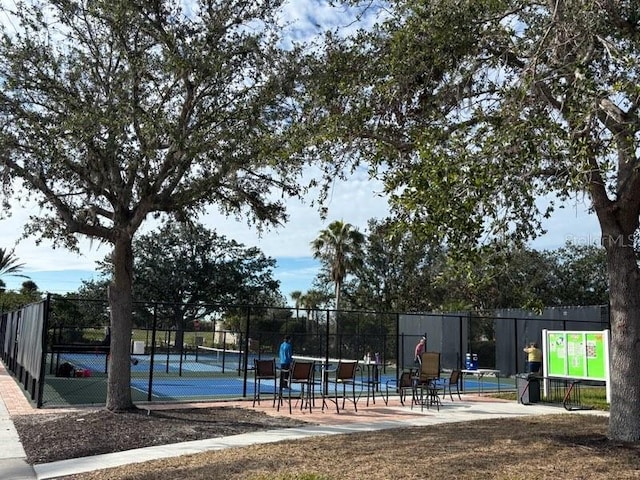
[[13, 465]]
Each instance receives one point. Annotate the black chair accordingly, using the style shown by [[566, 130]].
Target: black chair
[[318, 380], [401, 386], [449, 383], [344, 374], [300, 373], [264, 370], [426, 380]]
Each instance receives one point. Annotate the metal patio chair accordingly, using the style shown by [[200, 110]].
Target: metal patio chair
[[426, 381], [264, 370], [402, 385], [344, 375], [448, 383], [301, 374]]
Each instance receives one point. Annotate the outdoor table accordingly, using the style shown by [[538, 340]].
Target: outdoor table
[[480, 373], [432, 397], [372, 380], [324, 366]]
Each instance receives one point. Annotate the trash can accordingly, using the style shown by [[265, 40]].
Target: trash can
[[528, 388]]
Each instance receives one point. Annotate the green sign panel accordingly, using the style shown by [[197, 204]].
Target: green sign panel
[[595, 354], [557, 354], [575, 355], [579, 355]]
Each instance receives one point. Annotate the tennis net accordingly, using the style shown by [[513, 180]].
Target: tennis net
[[213, 355]]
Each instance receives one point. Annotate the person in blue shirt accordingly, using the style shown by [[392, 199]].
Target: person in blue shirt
[[286, 354]]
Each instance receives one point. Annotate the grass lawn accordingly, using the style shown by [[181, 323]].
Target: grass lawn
[[593, 397]]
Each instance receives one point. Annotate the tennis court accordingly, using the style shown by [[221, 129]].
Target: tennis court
[[204, 388], [209, 374], [199, 375], [203, 360]]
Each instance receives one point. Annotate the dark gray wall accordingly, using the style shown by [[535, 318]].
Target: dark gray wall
[[514, 328], [447, 334]]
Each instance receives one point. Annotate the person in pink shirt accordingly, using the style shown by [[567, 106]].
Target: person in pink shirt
[[420, 350]]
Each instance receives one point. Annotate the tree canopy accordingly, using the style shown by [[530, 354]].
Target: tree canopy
[[113, 110], [472, 110], [11, 300], [398, 273], [187, 263], [192, 271]]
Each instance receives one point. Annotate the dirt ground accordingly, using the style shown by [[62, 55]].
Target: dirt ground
[[545, 447], [59, 436]]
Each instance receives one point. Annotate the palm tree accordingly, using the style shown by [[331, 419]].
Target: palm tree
[[296, 296], [311, 301], [9, 264], [340, 248]]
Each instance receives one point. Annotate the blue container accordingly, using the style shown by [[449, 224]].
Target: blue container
[[471, 361]]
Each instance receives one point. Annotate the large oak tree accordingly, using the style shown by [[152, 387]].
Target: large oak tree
[[472, 110], [185, 272], [113, 110]]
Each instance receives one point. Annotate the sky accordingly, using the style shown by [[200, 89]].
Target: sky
[[355, 200]]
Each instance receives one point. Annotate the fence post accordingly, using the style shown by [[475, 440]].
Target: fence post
[[461, 343], [43, 359], [245, 355], [516, 343], [153, 350], [398, 353], [326, 352]]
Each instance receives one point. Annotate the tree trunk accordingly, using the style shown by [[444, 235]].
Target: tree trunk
[[624, 288], [121, 303]]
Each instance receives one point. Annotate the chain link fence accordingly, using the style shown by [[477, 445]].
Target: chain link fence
[[205, 352]]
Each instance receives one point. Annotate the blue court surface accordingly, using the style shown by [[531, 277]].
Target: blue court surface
[[217, 387], [199, 382], [233, 387], [196, 387], [171, 363]]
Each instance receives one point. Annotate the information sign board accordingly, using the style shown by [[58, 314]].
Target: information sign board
[[578, 355]]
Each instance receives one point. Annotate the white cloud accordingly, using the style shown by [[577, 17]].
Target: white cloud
[[44, 257], [354, 201]]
